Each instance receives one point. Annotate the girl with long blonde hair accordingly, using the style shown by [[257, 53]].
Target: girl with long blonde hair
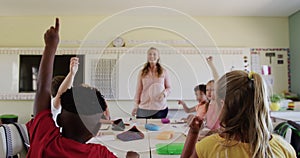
[[245, 122]]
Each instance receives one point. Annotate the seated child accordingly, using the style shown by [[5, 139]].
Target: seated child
[[213, 112], [245, 119], [201, 107], [79, 124], [105, 119], [60, 84]]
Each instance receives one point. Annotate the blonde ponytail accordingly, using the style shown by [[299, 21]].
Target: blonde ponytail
[[245, 114], [259, 142]]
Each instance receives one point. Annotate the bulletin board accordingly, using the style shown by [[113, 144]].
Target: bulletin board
[[277, 61]]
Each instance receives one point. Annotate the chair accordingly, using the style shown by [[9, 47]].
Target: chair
[[288, 135], [13, 140]]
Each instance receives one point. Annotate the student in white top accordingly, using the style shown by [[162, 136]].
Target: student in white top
[[60, 84]]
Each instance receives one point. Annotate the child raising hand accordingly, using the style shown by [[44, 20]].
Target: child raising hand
[[245, 122]]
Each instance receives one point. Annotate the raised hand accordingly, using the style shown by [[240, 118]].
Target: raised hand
[[209, 59], [42, 100], [195, 124], [192, 138], [190, 118], [212, 67], [74, 62], [51, 37]]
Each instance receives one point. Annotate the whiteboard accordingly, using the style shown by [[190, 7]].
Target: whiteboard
[[187, 67], [186, 70]]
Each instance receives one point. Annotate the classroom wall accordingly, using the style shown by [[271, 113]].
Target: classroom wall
[[294, 27], [226, 31]]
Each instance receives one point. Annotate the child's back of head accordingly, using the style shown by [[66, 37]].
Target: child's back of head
[[85, 103], [56, 82], [83, 100], [245, 112]]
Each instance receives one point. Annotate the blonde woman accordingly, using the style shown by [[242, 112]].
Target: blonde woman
[[153, 87], [245, 122]]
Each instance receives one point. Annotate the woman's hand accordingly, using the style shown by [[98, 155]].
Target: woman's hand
[[133, 113], [162, 96]]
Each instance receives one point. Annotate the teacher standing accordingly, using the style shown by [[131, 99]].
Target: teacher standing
[[153, 87]]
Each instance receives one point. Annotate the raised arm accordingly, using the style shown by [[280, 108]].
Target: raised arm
[[186, 108], [212, 68], [68, 81], [192, 138], [42, 100]]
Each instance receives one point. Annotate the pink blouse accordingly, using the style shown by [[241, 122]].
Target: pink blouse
[[149, 88], [212, 116]]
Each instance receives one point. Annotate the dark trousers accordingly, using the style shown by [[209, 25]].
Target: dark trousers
[[152, 114]]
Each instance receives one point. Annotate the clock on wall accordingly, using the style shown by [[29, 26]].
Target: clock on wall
[[118, 42]]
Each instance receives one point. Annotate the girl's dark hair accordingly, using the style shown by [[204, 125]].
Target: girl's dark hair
[[200, 87], [159, 68], [56, 82]]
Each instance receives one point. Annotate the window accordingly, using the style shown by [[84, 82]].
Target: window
[[103, 76], [29, 65]]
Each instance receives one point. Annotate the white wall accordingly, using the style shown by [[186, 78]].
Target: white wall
[[249, 32]]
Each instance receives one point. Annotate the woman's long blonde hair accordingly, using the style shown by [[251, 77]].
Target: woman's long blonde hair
[[245, 114], [159, 69]]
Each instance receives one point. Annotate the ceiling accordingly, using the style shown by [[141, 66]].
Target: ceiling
[[191, 7]]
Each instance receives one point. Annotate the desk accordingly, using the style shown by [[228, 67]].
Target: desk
[[143, 146], [286, 115], [178, 137], [119, 147]]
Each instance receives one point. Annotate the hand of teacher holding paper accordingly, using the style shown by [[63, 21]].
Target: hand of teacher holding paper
[[153, 87]]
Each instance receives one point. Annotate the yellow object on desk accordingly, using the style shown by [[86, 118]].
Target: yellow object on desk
[[275, 106], [291, 105], [165, 135]]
